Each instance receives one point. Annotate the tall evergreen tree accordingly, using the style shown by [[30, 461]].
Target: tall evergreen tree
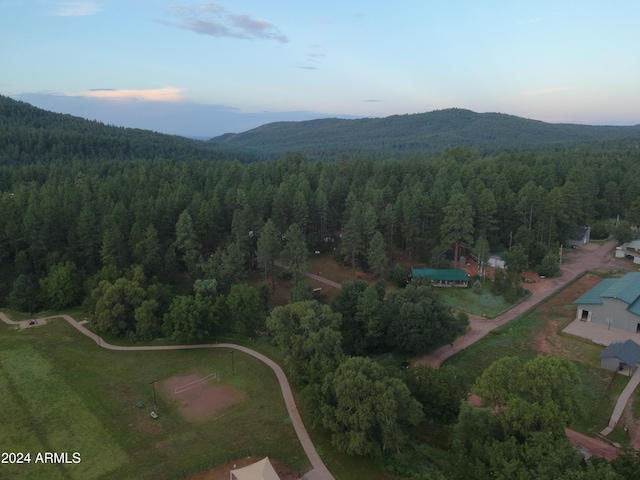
[[457, 226]]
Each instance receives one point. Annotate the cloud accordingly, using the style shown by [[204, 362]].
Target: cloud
[[216, 21], [372, 100], [546, 91], [169, 94], [313, 56], [76, 8]]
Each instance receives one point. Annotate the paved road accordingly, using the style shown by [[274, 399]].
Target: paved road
[[581, 261], [319, 472]]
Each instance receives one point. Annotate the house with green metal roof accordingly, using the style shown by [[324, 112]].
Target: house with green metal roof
[[442, 277], [614, 303]]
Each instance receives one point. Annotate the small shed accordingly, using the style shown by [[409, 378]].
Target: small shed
[[496, 261], [442, 277], [579, 236], [621, 356]]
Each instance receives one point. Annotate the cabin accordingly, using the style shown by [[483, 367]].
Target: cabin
[[442, 277]]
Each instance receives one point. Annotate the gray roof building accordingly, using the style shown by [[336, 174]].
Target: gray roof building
[[620, 354]]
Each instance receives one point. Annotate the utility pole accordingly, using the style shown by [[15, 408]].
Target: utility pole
[[560, 255], [153, 384], [233, 373]]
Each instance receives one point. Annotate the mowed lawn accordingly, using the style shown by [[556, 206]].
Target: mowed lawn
[[62, 393], [483, 303]]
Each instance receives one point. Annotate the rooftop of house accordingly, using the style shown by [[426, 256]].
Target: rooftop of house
[[578, 233], [626, 351], [441, 274], [626, 289]]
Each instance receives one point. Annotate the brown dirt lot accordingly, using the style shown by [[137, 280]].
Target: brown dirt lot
[[558, 312], [199, 399], [221, 472]]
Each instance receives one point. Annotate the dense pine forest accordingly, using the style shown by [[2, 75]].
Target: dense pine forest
[[155, 236], [417, 134]]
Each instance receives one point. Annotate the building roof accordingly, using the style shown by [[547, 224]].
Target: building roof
[[578, 233], [626, 289], [441, 274], [594, 296], [262, 470], [627, 352]]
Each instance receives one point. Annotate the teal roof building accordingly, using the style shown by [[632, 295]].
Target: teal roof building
[[442, 277], [614, 302]]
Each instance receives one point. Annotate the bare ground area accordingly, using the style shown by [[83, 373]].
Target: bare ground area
[[221, 472], [631, 424], [556, 313], [201, 399]]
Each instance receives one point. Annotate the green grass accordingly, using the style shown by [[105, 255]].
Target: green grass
[[483, 303], [62, 393], [599, 389], [599, 392], [512, 339]]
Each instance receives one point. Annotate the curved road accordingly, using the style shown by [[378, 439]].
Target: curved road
[[581, 261], [319, 471]]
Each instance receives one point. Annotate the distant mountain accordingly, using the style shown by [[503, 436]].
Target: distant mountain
[[29, 134], [412, 134]]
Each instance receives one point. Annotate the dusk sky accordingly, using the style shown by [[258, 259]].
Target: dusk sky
[[205, 68]]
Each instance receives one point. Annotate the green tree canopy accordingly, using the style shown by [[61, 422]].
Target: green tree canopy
[[367, 411], [457, 226], [418, 322], [62, 287]]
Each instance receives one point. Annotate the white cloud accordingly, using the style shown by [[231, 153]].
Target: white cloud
[[76, 8], [168, 94]]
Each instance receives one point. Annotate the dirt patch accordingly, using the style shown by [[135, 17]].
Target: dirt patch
[[557, 312], [327, 267], [201, 397], [221, 472], [632, 424]]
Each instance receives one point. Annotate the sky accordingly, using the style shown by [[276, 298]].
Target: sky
[[199, 68]]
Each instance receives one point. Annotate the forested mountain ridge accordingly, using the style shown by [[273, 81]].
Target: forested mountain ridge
[[29, 134], [432, 132]]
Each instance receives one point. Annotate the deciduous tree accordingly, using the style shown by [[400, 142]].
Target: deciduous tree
[[367, 411]]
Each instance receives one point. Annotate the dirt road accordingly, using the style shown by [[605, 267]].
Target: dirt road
[[583, 259]]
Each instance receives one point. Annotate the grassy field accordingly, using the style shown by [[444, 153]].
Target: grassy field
[[61, 393], [513, 339], [599, 389], [483, 303]]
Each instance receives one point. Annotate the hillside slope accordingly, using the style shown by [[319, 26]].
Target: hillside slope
[[411, 134], [29, 134]]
